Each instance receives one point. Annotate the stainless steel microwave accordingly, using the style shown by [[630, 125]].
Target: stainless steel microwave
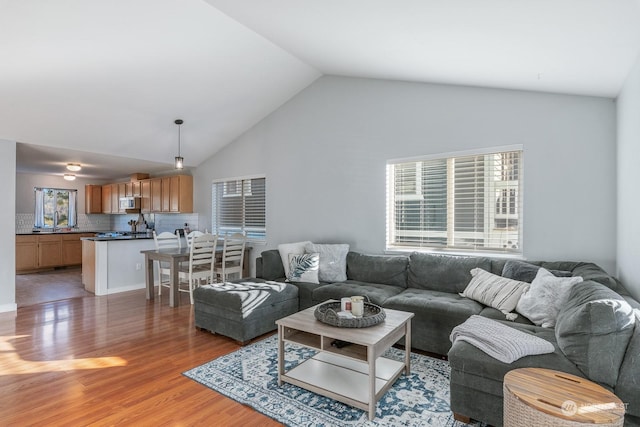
[[129, 202]]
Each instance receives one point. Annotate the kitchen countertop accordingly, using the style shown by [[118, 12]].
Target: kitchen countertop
[[119, 235], [108, 239]]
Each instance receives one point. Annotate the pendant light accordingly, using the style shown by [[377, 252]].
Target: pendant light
[[179, 159]]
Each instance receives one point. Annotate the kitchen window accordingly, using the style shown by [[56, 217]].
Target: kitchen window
[[238, 206], [55, 208], [457, 202]]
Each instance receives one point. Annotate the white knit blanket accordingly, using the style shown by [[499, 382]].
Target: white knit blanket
[[499, 341]]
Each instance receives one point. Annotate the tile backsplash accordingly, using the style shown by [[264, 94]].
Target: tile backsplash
[[106, 222]]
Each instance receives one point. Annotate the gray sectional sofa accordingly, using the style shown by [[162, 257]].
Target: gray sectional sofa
[[598, 329]]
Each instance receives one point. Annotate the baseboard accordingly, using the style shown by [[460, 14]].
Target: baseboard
[[5, 308], [126, 288]]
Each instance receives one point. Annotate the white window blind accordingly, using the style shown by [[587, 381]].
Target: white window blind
[[470, 202], [238, 205]]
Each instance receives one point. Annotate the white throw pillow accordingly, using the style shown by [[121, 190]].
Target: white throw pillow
[[495, 291], [290, 248], [333, 261], [303, 268], [546, 295]]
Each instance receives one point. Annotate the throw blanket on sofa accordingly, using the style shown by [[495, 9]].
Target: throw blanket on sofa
[[499, 341]]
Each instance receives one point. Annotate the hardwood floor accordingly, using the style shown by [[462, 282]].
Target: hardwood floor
[[114, 360]]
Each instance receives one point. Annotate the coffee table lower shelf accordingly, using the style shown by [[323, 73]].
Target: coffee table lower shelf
[[342, 379]]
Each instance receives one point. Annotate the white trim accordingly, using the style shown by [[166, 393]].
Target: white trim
[[133, 287], [238, 178], [6, 308], [465, 153]]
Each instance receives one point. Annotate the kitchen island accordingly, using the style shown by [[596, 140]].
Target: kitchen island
[[113, 263]]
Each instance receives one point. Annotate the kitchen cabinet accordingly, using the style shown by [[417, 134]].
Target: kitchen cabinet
[[145, 196], [26, 253], [34, 252], [156, 195], [49, 251], [176, 194], [106, 198], [92, 199], [122, 192], [72, 248]]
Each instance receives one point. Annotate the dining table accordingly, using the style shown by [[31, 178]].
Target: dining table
[[175, 256]]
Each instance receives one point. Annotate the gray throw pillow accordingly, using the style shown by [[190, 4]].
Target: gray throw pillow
[[593, 330], [272, 267], [333, 261], [545, 297], [526, 272]]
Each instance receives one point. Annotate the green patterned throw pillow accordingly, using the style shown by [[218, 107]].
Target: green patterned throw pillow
[[303, 268]]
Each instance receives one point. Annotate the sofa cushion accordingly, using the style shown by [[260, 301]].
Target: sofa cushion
[[272, 268], [496, 314], [436, 314], [390, 270], [545, 297], [333, 261], [526, 272], [377, 293], [628, 383], [495, 291], [485, 373], [445, 273], [593, 330]]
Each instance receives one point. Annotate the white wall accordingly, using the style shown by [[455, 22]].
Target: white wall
[[25, 199], [7, 226], [324, 154], [628, 250]]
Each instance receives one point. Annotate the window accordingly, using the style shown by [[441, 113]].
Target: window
[[55, 208], [467, 202], [238, 205]]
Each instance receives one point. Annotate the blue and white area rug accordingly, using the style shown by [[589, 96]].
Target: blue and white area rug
[[250, 376]]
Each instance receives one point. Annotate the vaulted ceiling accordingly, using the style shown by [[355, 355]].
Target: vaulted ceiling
[[104, 80]]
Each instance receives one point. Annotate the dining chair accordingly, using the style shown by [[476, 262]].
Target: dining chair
[[202, 255], [189, 236], [165, 240], [232, 256]]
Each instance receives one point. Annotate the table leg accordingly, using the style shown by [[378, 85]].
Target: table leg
[[372, 383], [174, 297], [280, 354], [149, 277], [407, 348]]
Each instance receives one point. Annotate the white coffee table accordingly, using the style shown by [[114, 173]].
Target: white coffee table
[[354, 374]]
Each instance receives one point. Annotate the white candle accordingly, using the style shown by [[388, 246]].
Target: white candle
[[357, 306]]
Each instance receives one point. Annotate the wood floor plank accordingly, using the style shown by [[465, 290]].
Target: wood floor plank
[[114, 360]]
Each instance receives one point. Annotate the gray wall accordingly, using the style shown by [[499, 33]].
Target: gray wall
[[324, 155], [628, 251], [7, 226]]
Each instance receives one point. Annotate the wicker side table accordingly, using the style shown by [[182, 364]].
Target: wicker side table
[[543, 397]]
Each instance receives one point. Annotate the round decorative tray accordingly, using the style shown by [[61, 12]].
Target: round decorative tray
[[328, 313]]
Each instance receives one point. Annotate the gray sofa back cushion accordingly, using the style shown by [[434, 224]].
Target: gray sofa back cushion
[[385, 269], [629, 378], [445, 273], [593, 330], [272, 267]]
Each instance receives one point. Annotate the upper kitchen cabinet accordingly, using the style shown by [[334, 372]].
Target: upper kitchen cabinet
[[170, 194], [93, 199], [145, 195], [106, 198]]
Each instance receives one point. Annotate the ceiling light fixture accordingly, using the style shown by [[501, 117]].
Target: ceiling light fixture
[[74, 167], [69, 176], [179, 159]]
